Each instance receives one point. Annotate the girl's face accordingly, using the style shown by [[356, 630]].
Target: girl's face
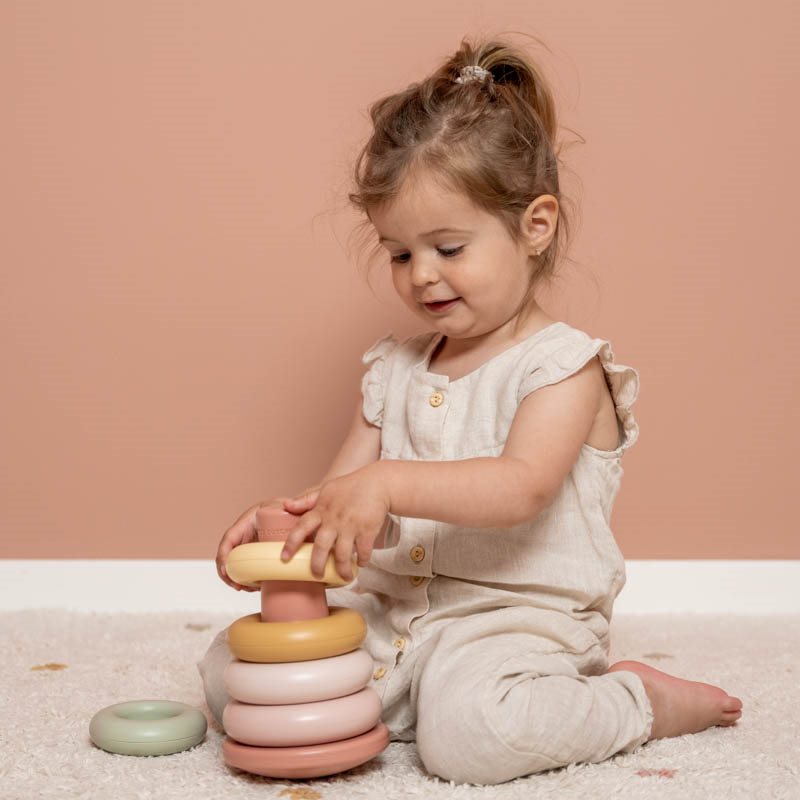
[[441, 247]]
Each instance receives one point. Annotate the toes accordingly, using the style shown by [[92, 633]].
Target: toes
[[729, 717], [732, 704]]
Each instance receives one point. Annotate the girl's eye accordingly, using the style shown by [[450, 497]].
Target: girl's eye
[[446, 253]]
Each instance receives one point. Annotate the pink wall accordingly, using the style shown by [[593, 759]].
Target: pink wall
[[181, 322]]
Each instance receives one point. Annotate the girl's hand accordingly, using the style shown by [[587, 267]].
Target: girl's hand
[[241, 532], [344, 512]]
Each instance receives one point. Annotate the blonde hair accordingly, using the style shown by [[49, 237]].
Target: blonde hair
[[492, 140]]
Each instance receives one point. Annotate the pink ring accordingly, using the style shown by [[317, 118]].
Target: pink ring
[[298, 681], [311, 761], [303, 723]]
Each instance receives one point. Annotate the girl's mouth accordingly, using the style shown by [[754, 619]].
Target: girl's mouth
[[440, 307]]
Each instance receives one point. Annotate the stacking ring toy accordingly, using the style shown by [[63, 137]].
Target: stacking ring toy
[[251, 563], [303, 723], [147, 727], [300, 704], [310, 761], [298, 682], [342, 630]]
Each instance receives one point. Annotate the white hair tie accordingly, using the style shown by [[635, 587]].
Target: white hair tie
[[472, 73]]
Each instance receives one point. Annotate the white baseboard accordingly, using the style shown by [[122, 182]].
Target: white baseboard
[[653, 587]]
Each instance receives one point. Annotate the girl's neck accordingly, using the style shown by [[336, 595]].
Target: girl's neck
[[452, 356]]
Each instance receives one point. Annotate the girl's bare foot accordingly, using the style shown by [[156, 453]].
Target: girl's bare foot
[[681, 706]]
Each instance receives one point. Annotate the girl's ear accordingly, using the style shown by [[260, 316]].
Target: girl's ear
[[538, 222]]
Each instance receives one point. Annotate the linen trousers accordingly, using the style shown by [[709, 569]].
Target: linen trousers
[[494, 704]]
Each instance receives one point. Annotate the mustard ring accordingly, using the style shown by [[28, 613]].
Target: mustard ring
[[251, 639], [251, 563]]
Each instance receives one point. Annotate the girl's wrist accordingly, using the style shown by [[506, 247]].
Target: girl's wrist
[[378, 472]]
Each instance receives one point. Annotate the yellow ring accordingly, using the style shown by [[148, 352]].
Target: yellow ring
[[341, 631], [251, 563]]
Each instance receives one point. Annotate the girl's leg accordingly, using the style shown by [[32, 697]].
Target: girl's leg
[[492, 707]]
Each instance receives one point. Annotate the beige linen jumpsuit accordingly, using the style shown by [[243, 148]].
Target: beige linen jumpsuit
[[490, 643]]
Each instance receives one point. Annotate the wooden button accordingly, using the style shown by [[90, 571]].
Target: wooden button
[[436, 399], [399, 643], [379, 673], [417, 553], [416, 580]]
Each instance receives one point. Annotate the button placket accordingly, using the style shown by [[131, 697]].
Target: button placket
[[428, 394]]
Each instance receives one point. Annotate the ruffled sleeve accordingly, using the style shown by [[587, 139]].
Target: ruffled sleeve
[[622, 381], [373, 384], [624, 384]]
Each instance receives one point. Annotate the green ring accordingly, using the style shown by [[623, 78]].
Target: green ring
[[148, 727]]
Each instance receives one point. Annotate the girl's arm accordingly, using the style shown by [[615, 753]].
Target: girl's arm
[[478, 492]]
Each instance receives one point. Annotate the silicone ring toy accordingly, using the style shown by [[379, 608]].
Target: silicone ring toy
[[310, 761], [341, 631], [303, 723], [299, 681], [147, 727], [251, 563]]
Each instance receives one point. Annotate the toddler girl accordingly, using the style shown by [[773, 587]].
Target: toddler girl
[[477, 481]]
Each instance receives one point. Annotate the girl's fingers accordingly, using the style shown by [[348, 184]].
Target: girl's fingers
[[364, 551], [222, 557], [307, 525], [242, 531], [322, 547], [223, 574], [297, 506], [302, 501], [343, 557]]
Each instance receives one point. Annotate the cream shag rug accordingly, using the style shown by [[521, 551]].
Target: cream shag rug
[[60, 667]]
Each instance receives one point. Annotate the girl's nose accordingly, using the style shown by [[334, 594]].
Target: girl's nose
[[423, 271]]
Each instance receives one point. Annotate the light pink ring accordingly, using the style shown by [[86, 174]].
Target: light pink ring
[[298, 681], [303, 723]]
